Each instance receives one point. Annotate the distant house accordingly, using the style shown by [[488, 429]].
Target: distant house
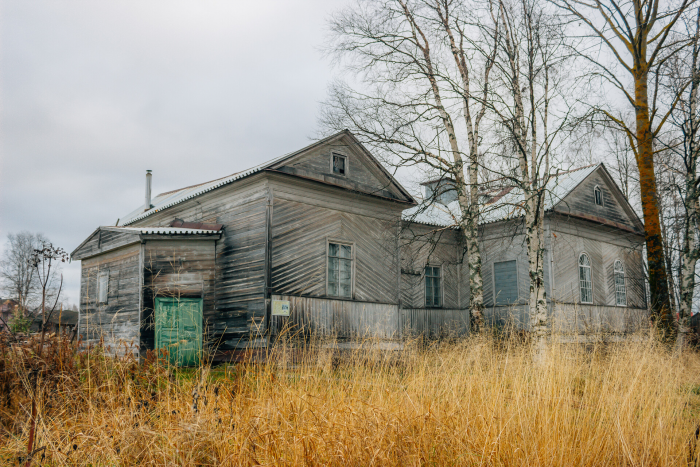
[[327, 239]]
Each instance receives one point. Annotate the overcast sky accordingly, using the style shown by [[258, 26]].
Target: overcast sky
[[93, 93]]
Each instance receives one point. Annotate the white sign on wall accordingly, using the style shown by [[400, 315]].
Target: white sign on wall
[[280, 307]]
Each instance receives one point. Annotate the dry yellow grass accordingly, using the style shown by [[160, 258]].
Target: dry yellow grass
[[470, 403]]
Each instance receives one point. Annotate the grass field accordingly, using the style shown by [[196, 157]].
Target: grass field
[[477, 402]]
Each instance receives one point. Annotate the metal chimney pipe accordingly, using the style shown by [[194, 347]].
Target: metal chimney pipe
[[148, 190]]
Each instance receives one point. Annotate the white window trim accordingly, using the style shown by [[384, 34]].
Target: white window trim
[[442, 285], [347, 165], [493, 281], [352, 279], [100, 275], [602, 200], [624, 278], [578, 277]]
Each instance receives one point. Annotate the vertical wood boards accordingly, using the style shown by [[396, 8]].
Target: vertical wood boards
[[117, 319], [178, 269], [339, 318], [434, 323]]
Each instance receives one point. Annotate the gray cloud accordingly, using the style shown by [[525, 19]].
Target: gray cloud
[[94, 93]]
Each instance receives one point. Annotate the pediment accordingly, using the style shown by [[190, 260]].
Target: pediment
[[362, 172], [614, 209]]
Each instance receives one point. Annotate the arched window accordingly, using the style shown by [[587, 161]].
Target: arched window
[[620, 289], [584, 275], [598, 194]]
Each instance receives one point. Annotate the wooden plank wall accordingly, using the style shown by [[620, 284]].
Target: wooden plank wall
[[582, 201], [338, 318], [118, 319], [422, 245], [240, 254], [434, 323], [105, 240], [604, 246], [316, 164], [178, 268], [587, 319], [304, 219], [505, 241]]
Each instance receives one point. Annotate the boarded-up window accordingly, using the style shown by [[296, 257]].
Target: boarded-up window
[[102, 286], [505, 281], [433, 286], [339, 270], [339, 164], [584, 275], [620, 289]]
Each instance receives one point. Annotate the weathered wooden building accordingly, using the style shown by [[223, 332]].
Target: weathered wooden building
[[327, 239]]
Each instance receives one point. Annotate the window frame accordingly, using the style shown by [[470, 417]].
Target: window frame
[[441, 285], [100, 276], [590, 273], [334, 241], [493, 281], [345, 157], [596, 191], [624, 282]]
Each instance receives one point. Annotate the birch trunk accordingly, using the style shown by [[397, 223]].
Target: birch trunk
[[467, 223], [470, 225]]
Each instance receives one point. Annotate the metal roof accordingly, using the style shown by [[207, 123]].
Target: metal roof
[[166, 230], [171, 198], [507, 203]]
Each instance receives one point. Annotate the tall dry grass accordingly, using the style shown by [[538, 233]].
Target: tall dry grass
[[476, 402]]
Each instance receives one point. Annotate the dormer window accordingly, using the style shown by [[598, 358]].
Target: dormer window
[[598, 194], [338, 164]]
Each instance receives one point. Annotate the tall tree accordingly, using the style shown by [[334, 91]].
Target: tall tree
[[533, 114], [415, 78], [639, 36], [17, 276]]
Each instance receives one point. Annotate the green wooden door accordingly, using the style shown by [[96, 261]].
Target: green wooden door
[[179, 329]]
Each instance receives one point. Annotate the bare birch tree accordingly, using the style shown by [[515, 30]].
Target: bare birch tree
[[412, 64], [534, 118], [18, 278], [639, 37], [681, 157]]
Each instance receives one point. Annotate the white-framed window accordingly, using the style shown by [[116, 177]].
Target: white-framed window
[[620, 288], [340, 269], [584, 275], [339, 164], [598, 195], [102, 286], [433, 286]]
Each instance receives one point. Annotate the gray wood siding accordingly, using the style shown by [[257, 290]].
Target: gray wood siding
[[434, 323], [299, 235], [340, 318], [581, 201], [505, 242], [118, 319], [104, 240], [182, 269], [359, 175], [604, 246], [422, 245], [240, 253]]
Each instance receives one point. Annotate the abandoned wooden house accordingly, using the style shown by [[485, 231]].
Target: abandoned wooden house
[[326, 239]]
